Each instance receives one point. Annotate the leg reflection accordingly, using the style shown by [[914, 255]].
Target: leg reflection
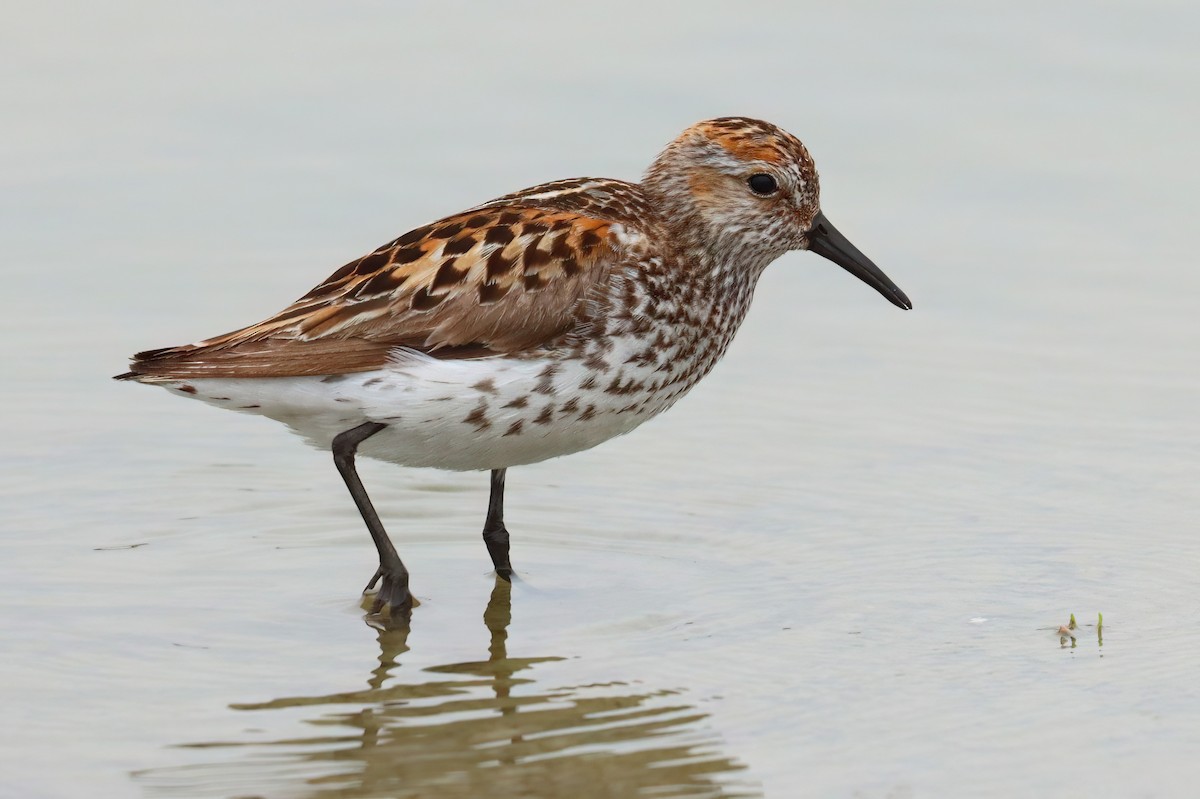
[[496, 727]]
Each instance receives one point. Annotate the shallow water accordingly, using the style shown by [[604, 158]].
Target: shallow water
[[836, 569]]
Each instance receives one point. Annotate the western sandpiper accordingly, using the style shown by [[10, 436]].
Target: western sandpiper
[[535, 325]]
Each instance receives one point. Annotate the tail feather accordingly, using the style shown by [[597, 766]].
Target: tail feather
[[267, 358], [281, 358]]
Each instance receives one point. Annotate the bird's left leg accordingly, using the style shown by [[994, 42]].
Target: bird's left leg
[[494, 533]]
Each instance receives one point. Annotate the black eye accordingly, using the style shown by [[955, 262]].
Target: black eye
[[763, 184]]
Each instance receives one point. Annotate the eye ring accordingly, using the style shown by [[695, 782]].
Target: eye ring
[[762, 184]]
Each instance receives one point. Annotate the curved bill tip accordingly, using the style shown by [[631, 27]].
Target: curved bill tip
[[825, 240]]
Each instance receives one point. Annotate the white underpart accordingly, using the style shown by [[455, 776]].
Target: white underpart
[[447, 414]]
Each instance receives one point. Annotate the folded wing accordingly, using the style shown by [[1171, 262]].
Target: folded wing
[[493, 280]]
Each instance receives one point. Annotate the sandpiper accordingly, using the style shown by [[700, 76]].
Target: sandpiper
[[535, 325]]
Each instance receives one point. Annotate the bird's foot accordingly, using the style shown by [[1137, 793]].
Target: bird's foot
[[393, 598]]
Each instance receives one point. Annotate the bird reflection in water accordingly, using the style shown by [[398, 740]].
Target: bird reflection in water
[[467, 733]]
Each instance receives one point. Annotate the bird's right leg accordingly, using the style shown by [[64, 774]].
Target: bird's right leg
[[393, 593]]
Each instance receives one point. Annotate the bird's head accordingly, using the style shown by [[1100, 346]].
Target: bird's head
[[748, 190]]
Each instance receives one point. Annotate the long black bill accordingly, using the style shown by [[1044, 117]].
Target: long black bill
[[825, 241]]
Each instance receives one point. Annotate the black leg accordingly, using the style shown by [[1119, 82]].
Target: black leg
[[393, 594], [494, 534]]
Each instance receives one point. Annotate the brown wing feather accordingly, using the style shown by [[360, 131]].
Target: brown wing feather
[[493, 280]]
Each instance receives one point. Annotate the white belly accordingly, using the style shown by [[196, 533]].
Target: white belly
[[486, 413]]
